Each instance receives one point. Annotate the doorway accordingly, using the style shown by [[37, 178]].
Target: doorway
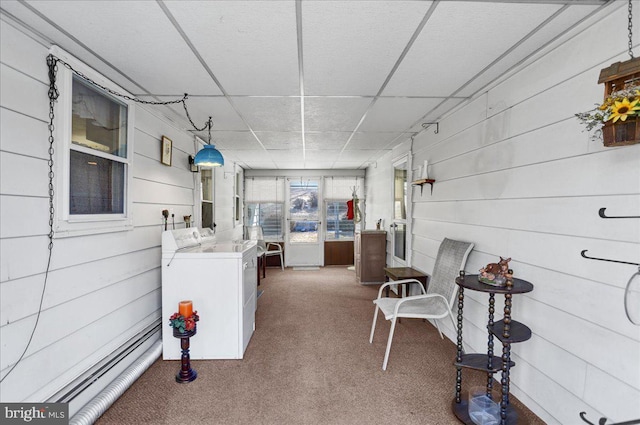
[[400, 225], [303, 235]]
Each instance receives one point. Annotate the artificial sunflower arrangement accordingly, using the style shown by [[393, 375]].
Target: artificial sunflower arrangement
[[618, 106], [183, 324]]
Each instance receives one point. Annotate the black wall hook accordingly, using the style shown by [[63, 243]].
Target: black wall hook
[[603, 215], [605, 259]]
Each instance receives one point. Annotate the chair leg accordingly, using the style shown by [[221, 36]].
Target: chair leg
[[281, 262], [453, 321], [373, 325], [386, 353], [438, 328]]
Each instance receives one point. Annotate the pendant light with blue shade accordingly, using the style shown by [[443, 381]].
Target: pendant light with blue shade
[[209, 156]]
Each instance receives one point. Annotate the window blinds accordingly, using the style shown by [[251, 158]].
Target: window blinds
[[341, 188], [264, 189]]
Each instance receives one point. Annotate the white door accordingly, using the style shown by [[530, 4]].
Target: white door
[[400, 225], [303, 233]]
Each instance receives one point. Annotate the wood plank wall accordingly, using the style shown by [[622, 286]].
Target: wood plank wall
[[102, 289], [517, 175]]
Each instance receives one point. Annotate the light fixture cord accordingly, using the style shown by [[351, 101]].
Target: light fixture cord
[[630, 26], [52, 64], [209, 124], [53, 96]]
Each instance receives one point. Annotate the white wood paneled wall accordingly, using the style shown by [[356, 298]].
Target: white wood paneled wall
[[379, 197], [102, 289], [517, 176]]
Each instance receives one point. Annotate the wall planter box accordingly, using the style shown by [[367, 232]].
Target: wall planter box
[[617, 77], [621, 133]]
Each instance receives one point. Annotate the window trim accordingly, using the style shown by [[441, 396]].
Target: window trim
[[66, 224]]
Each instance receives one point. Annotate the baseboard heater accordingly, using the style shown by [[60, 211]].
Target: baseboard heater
[[96, 406]]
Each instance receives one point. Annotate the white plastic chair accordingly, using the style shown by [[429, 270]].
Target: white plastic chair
[[265, 249], [272, 249], [435, 303]]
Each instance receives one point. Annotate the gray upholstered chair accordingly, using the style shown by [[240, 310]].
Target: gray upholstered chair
[[436, 302]]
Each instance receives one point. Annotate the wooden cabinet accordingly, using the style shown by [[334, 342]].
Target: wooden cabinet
[[370, 255]]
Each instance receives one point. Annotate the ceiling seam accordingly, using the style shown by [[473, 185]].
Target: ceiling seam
[[81, 44], [603, 3], [301, 77], [186, 39], [493, 63], [395, 67]]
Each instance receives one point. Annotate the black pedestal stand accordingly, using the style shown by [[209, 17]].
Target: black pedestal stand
[[186, 374]]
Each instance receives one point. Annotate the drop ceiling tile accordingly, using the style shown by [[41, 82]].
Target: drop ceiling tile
[[247, 156], [334, 113], [550, 31], [433, 68], [158, 60], [397, 113], [222, 114], [283, 155], [371, 140], [321, 155], [270, 113], [233, 140], [250, 46], [350, 165], [326, 140], [280, 139], [262, 165], [357, 155], [341, 39]]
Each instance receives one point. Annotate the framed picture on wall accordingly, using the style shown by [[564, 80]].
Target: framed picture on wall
[[165, 156]]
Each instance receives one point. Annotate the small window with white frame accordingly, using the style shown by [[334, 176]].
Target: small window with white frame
[[94, 153]]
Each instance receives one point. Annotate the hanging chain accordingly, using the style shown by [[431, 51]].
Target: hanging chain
[[184, 104], [630, 27], [124, 96], [53, 96], [113, 92]]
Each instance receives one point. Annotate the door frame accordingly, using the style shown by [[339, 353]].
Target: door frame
[[301, 250], [398, 262]]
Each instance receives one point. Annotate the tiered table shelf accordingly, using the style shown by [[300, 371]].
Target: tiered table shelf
[[507, 331]]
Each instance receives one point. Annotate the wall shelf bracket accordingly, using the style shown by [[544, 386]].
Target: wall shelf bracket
[[427, 124], [422, 182]]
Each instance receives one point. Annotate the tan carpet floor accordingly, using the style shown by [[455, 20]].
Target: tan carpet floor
[[310, 362]]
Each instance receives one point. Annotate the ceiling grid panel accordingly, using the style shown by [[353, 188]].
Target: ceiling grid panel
[[301, 75], [307, 83]]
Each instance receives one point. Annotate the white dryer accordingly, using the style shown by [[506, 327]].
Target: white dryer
[[220, 278]]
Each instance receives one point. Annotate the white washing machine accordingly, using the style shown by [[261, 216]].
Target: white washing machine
[[220, 278]]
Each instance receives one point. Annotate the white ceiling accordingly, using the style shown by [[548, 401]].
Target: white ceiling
[[304, 84]]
